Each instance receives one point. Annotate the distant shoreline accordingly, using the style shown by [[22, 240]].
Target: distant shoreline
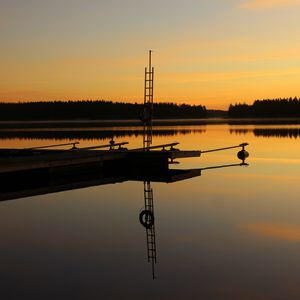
[[136, 123]]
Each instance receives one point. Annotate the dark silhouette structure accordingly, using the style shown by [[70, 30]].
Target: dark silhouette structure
[[146, 114]]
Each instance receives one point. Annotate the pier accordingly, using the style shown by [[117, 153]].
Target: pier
[[17, 160]]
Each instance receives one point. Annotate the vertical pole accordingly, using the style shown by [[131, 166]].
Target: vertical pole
[[148, 104], [150, 54]]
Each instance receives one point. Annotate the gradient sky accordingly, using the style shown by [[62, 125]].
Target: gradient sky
[[210, 52]]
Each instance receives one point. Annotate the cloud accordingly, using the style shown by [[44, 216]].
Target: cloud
[[265, 4], [190, 77], [277, 231]]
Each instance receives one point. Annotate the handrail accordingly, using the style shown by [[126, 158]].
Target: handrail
[[226, 148], [155, 147], [52, 146], [225, 166], [111, 145], [104, 146]]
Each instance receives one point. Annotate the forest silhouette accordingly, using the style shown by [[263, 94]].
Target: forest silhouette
[[108, 110], [269, 108], [94, 110]]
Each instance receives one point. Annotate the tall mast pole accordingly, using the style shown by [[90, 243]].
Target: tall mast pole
[[150, 57], [147, 113]]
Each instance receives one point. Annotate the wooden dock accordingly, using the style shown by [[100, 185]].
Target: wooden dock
[[55, 159], [19, 160]]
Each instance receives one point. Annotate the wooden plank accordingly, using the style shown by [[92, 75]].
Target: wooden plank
[[14, 164]]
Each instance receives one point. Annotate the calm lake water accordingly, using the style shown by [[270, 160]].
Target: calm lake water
[[231, 233]]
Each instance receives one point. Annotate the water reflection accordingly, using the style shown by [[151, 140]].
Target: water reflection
[[99, 134], [22, 184], [38, 182], [92, 133], [147, 219], [232, 233], [147, 215], [269, 132]]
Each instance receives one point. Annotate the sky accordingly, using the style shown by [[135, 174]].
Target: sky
[[208, 52]]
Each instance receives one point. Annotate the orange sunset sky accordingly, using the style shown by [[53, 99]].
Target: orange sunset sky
[[210, 52]]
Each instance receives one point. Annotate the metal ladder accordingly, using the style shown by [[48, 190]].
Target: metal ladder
[[148, 102]]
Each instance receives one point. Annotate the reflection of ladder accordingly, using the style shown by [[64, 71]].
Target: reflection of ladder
[[150, 230], [148, 103]]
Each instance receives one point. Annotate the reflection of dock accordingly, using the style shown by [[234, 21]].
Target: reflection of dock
[[38, 182], [33, 172]]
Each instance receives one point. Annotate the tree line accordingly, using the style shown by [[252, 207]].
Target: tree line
[[268, 108], [94, 110]]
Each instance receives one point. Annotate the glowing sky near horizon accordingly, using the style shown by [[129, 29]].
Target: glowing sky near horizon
[[210, 52]]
